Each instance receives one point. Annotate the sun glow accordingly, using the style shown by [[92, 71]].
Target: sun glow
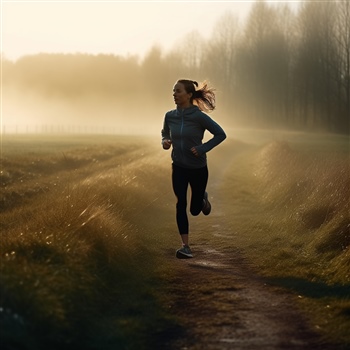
[[125, 28]]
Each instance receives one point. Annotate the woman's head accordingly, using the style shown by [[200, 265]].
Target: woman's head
[[189, 86], [204, 97]]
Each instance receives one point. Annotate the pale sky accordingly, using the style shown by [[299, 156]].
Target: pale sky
[[111, 27]]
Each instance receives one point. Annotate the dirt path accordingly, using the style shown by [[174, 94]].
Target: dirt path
[[225, 305]]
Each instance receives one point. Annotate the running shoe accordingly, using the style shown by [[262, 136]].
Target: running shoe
[[206, 205], [184, 253]]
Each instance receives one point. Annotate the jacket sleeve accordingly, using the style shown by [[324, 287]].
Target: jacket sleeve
[[216, 130], [165, 131]]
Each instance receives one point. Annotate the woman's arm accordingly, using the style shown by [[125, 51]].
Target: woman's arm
[[166, 140], [214, 128]]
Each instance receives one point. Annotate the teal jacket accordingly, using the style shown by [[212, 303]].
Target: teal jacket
[[185, 128]]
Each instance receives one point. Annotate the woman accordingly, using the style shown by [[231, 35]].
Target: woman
[[183, 129]]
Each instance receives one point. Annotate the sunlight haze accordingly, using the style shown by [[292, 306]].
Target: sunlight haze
[[79, 66], [119, 28]]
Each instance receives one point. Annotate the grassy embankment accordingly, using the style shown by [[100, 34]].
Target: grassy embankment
[[289, 212]]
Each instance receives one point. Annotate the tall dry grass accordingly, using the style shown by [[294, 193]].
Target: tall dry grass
[[308, 195], [75, 272], [290, 215]]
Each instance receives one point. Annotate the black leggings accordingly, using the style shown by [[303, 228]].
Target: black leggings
[[197, 179]]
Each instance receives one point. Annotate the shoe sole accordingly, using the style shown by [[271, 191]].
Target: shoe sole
[[180, 255]]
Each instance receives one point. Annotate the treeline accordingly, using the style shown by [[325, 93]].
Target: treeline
[[277, 69]]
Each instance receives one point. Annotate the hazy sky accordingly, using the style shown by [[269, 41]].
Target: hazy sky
[[116, 27]]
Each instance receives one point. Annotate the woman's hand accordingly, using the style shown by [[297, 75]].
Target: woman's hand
[[195, 152], [167, 144]]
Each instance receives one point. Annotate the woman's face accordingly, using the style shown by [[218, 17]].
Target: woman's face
[[181, 96]]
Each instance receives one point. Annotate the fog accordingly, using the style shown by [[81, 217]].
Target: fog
[[278, 70], [84, 114]]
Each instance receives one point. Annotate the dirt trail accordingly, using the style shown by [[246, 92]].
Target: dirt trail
[[225, 305]]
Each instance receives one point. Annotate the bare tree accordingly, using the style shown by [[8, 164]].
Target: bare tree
[[266, 55], [191, 50], [320, 64], [342, 37], [220, 55]]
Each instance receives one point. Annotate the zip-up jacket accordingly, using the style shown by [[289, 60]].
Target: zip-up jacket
[[185, 128]]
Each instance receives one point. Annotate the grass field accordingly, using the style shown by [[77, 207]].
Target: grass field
[[87, 229]]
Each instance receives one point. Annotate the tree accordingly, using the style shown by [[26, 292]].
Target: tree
[[318, 65], [342, 38], [266, 62], [191, 50], [220, 56]]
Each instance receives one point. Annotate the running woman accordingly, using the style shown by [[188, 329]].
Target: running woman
[[183, 130]]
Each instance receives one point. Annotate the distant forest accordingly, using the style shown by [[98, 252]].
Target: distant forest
[[278, 69]]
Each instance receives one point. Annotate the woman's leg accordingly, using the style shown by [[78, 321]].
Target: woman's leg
[[198, 182], [180, 185]]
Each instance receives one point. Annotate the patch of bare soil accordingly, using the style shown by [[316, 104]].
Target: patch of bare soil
[[223, 304]]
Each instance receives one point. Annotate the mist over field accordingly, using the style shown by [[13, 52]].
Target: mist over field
[[279, 69], [93, 114]]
